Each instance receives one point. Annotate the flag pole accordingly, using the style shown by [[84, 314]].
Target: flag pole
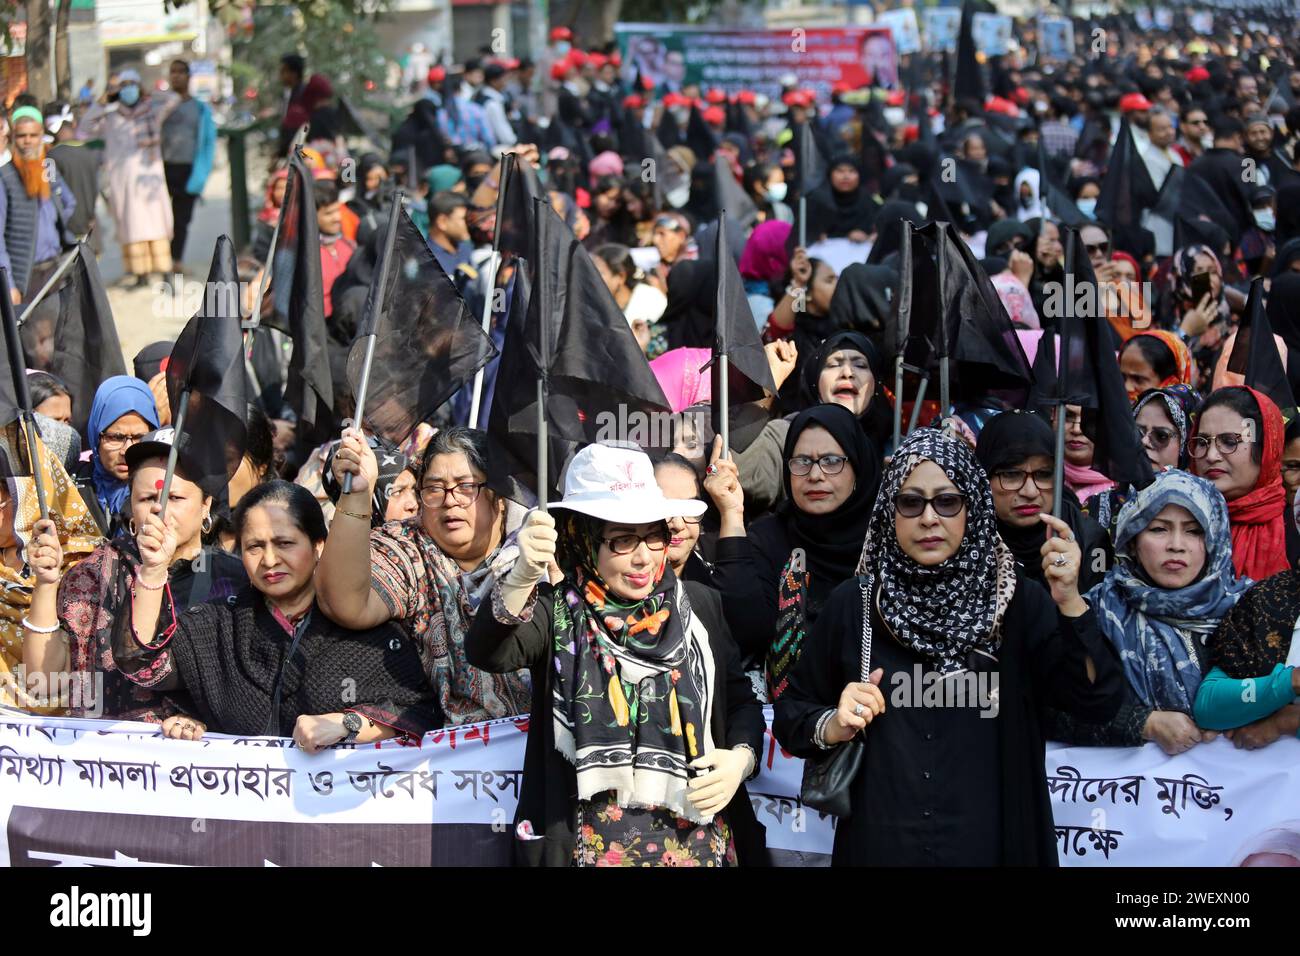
[[542, 290], [18, 367], [254, 315], [725, 404], [803, 220], [898, 401], [1058, 459], [920, 400], [174, 452], [50, 283], [494, 264], [371, 320]]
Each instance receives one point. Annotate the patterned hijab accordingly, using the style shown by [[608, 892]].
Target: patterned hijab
[[1153, 628], [1182, 358], [632, 695], [1179, 402], [955, 608]]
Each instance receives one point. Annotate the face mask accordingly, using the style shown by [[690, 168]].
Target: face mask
[[129, 95], [1207, 141], [1265, 219], [562, 48], [1026, 202], [681, 114], [678, 197], [1087, 206], [776, 192]]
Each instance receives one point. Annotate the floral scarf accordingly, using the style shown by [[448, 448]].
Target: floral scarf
[[949, 611], [1182, 359], [632, 696], [1153, 628]]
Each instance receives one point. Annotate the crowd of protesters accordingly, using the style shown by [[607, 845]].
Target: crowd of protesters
[[646, 617]]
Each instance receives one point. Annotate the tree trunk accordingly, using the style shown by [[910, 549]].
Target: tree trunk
[[610, 12], [62, 60], [39, 81]]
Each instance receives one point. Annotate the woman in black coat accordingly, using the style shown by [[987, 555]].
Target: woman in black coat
[[267, 661], [964, 655], [643, 726]]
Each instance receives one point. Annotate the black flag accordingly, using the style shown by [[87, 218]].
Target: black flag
[[598, 382], [1255, 354], [297, 292], [1126, 191], [207, 367], [749, 378], [947, 306], [730, 194], [969, 81], [86, 348], [427, 343], [514, 220], [1090, 375]]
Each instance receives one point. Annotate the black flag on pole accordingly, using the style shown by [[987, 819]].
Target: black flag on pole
[[427, 342], [969, 81], [599, 384], [749, 378], [513, 232], [297, 292], [1255, 354], [730, 194], [86, 347], [207, 362], [1090, 375]]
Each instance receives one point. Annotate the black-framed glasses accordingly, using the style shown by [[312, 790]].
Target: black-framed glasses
[[1227, 443], [1013, 479], [686, 520], [627, 543], [1098, 249], [465, 493], [117, 440], [802, 465], [909, 504], [1158, 436]]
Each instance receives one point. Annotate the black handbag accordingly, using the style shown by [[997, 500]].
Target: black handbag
[[828, 779]]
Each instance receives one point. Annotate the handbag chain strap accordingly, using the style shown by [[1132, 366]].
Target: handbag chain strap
[[866, 628]]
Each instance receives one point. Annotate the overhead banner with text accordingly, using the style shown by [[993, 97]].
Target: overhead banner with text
[[671, 57], [100, 793]]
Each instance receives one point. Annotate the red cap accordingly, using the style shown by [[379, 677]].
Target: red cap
[[715, 116], [616, 59], [911, 132], [1197, 74], [560, 69], [577, 58], [648, 83], [896, 98], [1020, 95], [1001, 105], [597, 60], [842, 86], [1133, 103], [633, 102], [746, 98], [436, 75], [676, 99], [716, 96], [561, 33], [797, 98]]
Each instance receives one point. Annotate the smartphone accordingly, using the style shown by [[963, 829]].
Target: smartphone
[[1200, 287]]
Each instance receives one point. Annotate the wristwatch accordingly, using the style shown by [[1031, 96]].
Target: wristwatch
[[352, 724]]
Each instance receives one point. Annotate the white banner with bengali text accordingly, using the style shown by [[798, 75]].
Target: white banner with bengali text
[[105, 793]]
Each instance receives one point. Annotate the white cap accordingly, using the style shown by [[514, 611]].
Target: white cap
[[618, 484]]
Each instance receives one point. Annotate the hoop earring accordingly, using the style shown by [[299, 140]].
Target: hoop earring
[[206, 524], [130, 526]]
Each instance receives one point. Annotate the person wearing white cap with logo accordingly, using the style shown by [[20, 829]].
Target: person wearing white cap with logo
[[640, 706]]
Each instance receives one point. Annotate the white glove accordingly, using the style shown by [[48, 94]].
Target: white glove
[[536, 540], [711, 792]]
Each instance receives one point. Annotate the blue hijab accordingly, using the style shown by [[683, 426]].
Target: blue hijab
[[116, 396], [1152, 627]]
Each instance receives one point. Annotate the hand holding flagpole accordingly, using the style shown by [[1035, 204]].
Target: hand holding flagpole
[[18, 368]]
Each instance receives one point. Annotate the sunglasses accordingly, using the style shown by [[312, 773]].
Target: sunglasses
[[949, 504], [1098, 249], [1227, 443], [1159, 436]]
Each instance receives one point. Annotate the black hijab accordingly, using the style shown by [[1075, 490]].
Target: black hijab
[[889, 228], [689, 315], [877, 420], [835, 214], [1009, 439], [832, 542]]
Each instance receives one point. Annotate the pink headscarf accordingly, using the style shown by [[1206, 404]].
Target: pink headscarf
[[608, 163], [679, 375], [765, 256]]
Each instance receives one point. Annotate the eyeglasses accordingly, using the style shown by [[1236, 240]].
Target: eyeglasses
[[946, 505], [1013, 479], [1159, 435], [117, 440], [627, 543], [802, 465], [465, 493], [1227, 443], [685, 520], [1099, 249]]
